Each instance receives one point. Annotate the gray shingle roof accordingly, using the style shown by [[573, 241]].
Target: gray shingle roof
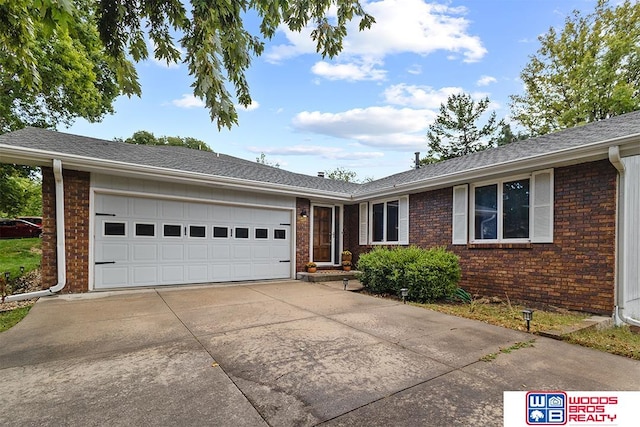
[[220, 165], [616, 127], [168, 157]]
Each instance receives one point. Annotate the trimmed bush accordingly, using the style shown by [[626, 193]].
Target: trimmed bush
[[429, 275]]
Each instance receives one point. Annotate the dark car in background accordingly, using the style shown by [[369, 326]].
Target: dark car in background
[[18, 228], [37, 220]]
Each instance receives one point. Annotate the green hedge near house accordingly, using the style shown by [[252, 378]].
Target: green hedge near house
[[429, 275]]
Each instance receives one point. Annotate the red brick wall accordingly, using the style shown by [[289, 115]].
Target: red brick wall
[[575, 272], [302, 233], [76, 216]]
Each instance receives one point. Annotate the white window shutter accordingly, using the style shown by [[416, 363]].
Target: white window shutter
[[403, 220], [542, 207], [460, 212], [364, 224]]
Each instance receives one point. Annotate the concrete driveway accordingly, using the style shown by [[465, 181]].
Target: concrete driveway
[[276, 353]]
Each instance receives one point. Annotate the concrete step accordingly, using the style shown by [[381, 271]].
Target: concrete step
[[326, 275]]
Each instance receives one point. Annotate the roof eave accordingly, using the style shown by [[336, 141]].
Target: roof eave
[[566, 157], [33, 157]]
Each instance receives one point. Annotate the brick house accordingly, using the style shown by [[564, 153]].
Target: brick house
[[552, 220]]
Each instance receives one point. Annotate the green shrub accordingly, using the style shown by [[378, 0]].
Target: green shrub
[[428, 274]]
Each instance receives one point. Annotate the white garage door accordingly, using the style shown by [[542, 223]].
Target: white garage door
[[147, 242]]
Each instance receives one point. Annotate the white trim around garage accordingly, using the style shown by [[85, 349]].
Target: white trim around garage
[[96, 192]]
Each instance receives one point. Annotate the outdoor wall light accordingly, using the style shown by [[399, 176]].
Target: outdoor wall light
[[303, 213], [404, 292], [528, 316], [345, 282]]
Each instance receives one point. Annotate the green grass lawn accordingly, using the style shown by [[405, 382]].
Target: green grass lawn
[[615, 340], [15, 253], [12, 317]]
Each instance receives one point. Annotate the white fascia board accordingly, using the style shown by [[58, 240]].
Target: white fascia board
[[566, 157], [12, 154]]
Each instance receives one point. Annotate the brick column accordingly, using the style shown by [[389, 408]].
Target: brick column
[[76, 216]]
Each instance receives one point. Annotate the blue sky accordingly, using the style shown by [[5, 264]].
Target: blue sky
[[368, 110]]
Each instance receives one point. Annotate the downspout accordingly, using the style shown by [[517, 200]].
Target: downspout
[[60, 242], [614, 158]]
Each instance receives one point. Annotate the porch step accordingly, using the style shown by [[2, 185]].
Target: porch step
[[326, 275]]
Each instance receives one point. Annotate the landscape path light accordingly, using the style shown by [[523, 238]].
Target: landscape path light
[[527, 314], [404, 292], [345, 283]]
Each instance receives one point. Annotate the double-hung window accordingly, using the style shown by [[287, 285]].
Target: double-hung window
[[501, 210], [517, 209], [385, 221]]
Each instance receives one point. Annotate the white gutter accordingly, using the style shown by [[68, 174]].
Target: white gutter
[[614, 158], [14, 154], [60, 247]]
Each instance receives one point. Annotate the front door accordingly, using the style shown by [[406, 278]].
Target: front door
[[322, 234]]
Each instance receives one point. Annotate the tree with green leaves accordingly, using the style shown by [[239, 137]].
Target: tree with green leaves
[[262, 159], [346, 175], [143, 137], [457, 129], [342, 174], [588, 71], [50, 76], [217, 47], [506, 135], [20, 191]]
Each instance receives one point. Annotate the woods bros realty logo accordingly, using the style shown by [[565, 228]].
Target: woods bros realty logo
[[556, 408]]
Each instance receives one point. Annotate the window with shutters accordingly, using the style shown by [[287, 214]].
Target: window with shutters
[[516, 209], [385, 221]]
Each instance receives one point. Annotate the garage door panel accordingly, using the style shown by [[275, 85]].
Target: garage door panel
[[145, 208], [242, 252], [112, 276], [260, 253], [198, 273], [256, 241], [197, 212], [144, 275], [171, 274], [219, 272], [172, 210], [197, 252], [221, 253], [279, 252], [172, 252], [117, 205], [113, 252], [145, 252]]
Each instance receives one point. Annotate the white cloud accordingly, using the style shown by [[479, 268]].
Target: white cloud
[[402, 26], [486, 81], [354, 71], [418, 96], [386, 127], [251, 107], [188, 100], [332, 153], [415, 69]]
